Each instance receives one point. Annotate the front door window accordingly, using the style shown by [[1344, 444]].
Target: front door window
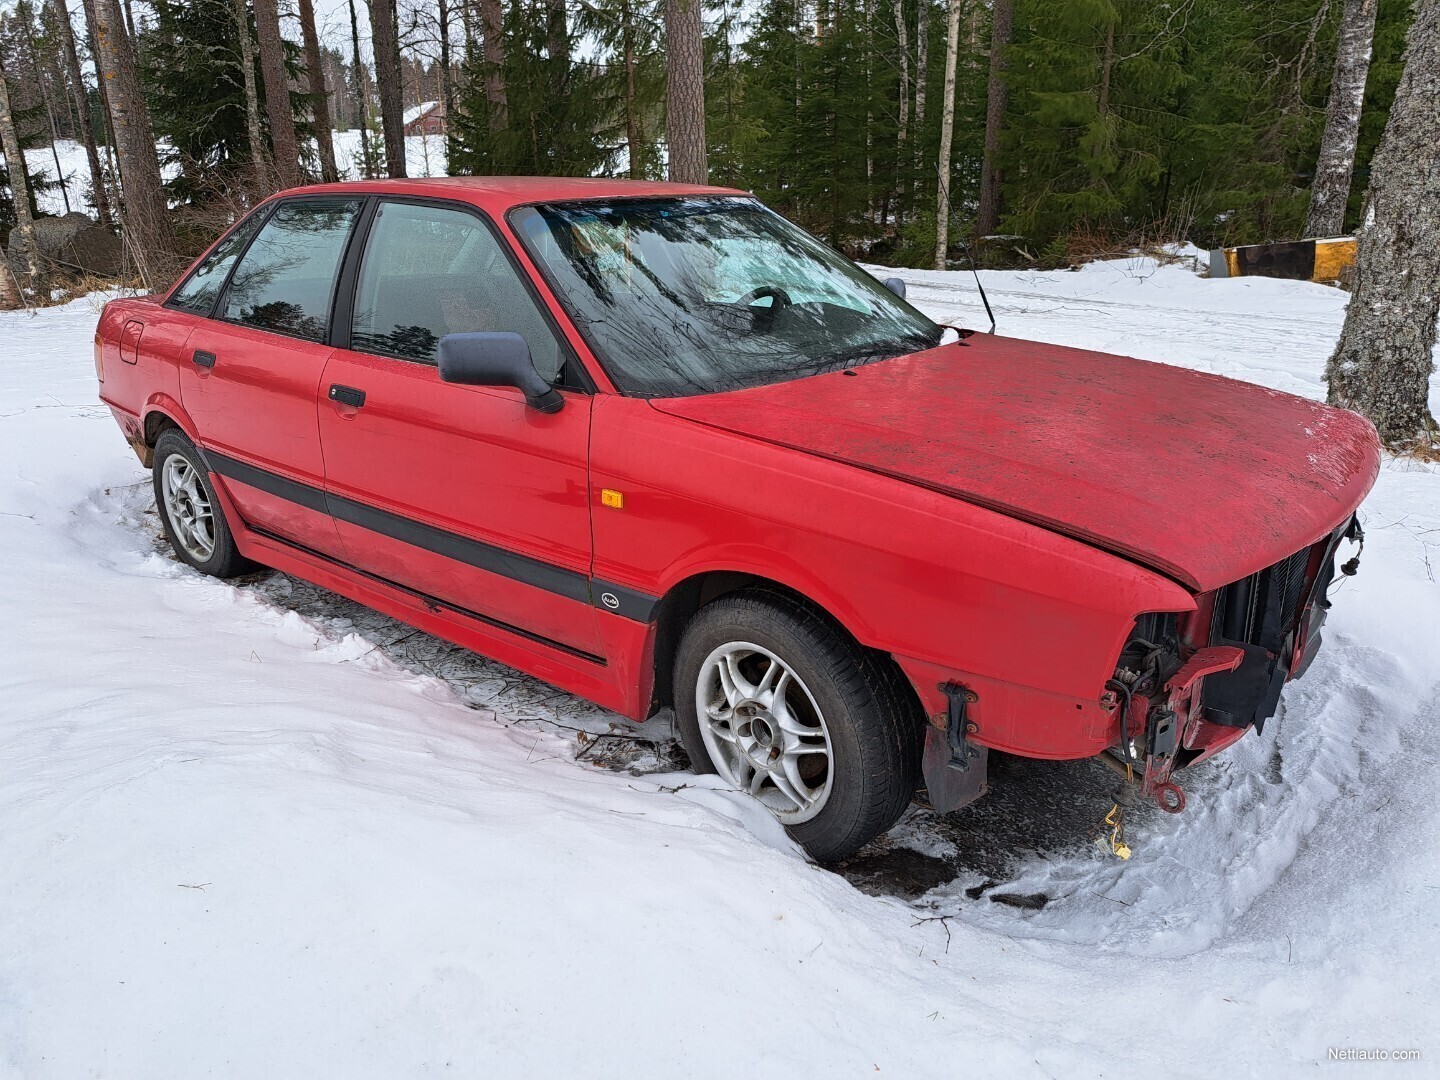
[[430, 271]]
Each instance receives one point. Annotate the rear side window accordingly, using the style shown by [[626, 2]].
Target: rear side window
[[198, 292], [429, 271], [286, 281]]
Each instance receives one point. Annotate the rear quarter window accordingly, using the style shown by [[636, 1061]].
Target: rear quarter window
[[198, 292]]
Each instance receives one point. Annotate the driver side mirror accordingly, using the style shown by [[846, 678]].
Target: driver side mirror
[[895, 285], [496, 359]]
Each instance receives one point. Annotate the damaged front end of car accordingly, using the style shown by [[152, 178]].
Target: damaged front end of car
[[1186, 686]]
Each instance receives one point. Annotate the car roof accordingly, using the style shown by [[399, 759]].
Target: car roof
[[499, 193]]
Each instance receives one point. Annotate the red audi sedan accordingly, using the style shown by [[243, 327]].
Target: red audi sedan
[[662, 448]]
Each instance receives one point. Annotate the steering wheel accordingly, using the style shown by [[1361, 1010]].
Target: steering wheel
[[779, 295]]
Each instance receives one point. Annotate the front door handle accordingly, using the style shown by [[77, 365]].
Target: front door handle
[[347, 395], [200, 358]]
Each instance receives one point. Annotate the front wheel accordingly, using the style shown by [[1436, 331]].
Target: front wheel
[[783, 705]]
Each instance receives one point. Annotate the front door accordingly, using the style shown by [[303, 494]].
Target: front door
[[251, 375], [463, 493]]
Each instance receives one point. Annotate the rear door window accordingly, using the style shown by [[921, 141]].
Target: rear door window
[[286, 281], [429, 271]]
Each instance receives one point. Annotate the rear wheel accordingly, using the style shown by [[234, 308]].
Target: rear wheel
[[194, 522], [783, 705]]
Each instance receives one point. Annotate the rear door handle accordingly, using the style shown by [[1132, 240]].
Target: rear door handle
[[347, 395], [200, 358]]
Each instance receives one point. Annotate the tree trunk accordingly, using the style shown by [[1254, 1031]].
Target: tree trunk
[[1107, 65], [1330, 191], [997, 92], [319, 96], [1382, 364], [386, 45], [922, 75], [146, 213], [902, 33], [632, 121], [285, 149], [76, 81], [902, 129], [685, 92], [362, 94], [997, 95], [447, 85], [43, 82], [557, 33], [947, 133], [259, 168], [10, 295], [492, 27], [112, 159], [20, 186]]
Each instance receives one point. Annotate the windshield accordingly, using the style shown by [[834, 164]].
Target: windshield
[[691, 296]]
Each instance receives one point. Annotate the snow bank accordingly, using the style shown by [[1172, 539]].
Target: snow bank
[[239, 841]]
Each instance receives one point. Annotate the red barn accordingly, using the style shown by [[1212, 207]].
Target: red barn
[[427, 118]]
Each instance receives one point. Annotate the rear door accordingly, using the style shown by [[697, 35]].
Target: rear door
[[251, 376], [463, 493]]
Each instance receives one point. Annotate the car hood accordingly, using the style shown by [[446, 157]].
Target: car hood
[[1203, 478]]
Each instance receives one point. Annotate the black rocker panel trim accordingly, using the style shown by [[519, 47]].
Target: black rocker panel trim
[[433, 603], [571, 584]]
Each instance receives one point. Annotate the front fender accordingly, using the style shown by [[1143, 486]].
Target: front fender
[[947, 587]]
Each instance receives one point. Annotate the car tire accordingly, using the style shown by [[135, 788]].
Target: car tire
[[192, 516], [833, 694]]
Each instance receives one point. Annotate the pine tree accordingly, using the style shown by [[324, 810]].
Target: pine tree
[[285, 148], [559, 120], [319, 95], [997, 95], [385, 41], [685, 92]]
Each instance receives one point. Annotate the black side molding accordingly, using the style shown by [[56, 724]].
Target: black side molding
[[560, 580]]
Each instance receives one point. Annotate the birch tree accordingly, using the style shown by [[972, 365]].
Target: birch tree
[[10, 295], [902, 131], [1382, 364], [20, 188], [1330, 191], [254, 140]]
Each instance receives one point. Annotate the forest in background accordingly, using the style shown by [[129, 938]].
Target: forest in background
[[1111, 123]]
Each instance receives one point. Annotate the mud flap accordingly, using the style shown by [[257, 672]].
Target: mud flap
[[950, 786]]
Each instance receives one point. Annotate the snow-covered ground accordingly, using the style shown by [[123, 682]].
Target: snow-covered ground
[[244, 833], [424, 156]]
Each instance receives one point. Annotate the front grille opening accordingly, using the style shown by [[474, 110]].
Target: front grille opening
[[1263, 608]]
